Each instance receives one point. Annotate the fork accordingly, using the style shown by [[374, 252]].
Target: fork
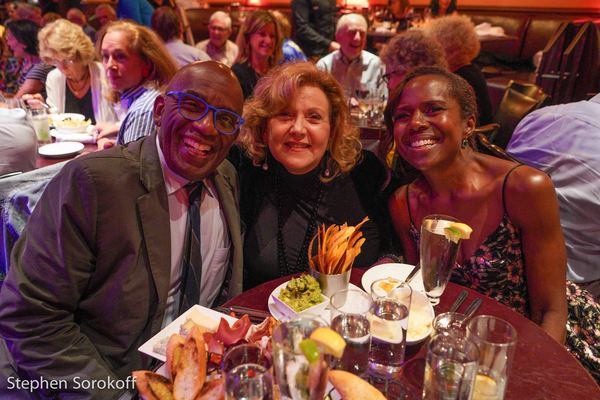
[[472, 308], [459, 300]]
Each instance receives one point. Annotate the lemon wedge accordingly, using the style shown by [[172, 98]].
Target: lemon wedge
[[329, 341], [485, 388], [457, 231]]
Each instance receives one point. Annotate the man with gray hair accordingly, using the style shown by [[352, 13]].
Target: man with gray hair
[[218, 46], [354, 68]]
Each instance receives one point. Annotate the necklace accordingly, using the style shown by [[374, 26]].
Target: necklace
[[79, 89], [302, 261]]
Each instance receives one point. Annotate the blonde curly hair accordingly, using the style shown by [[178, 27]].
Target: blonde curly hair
[[456, 34], [65, 40], [273, 94]]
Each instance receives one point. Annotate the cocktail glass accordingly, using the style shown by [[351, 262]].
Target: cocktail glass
[[438, 255], [298, 378]]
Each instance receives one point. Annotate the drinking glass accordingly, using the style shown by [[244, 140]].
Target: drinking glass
[[349, 309], [449, 322], [497, 341], [438, 255], [388, 316], [362, 93], [296, 377], [450, 368], [39, 120], [247, 375]]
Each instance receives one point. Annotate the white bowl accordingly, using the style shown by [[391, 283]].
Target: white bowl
[[57, 122], [317, 310], [420, 318]]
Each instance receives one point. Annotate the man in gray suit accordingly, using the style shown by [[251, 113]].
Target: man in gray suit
[[98, 269]]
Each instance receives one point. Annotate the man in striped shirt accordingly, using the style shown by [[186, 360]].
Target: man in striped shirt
[[137, 64]]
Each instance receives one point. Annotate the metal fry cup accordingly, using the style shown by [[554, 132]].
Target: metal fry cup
[[331, 284]]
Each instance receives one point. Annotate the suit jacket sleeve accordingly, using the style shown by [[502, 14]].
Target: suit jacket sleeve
[[52, 265]]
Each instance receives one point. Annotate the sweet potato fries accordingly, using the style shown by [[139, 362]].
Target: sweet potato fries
[[337, 247]]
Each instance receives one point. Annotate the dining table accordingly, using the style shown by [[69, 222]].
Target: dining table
[[542, 368], [41, 161]]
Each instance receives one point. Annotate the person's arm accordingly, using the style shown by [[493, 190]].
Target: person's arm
[[52, 266], [301, 17], [401, 222], [30, 86], [532, 206]]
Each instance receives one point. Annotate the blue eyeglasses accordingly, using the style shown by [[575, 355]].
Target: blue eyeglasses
[[194, 108]]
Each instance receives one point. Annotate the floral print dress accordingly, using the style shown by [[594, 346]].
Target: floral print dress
[[497, 270]]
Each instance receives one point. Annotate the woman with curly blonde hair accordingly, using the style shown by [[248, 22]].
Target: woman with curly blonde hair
[[305, 168], [77, 85], [456, 34], [260, 48]]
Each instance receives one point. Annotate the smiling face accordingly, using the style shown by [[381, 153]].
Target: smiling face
[[428, 126], [298, 135], [125, 67], [352, 37], [194, 149], [262, 42], [218, 32]]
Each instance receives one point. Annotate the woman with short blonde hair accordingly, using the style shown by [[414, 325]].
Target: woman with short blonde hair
[[77, 84], [305, 167]]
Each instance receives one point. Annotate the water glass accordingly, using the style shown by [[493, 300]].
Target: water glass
[[39, 120], [296, 377], [497, 341], [349, 309], [438, 255], [450, 368], [388, 316], [247, 375]]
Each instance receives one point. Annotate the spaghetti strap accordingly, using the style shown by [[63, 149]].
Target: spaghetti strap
[[504, 186], [408, 206]]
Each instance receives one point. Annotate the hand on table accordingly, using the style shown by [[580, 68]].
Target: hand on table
[[105, 143]]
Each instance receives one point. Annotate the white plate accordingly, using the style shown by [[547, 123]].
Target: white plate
[[61, 149], [281, 314], [66, 136], [63, 116], [201, 315], [392, 270], [420, 318]]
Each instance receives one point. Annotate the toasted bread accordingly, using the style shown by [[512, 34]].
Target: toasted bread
[[152, 386], [191, 369], [351, 387], [174, 350]]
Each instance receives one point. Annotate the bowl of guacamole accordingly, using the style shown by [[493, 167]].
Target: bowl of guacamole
[[301, 295]]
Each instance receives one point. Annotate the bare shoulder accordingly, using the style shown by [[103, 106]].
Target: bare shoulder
[[525, 182]]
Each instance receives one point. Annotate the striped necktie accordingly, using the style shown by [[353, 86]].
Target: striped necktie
[[192, 258]]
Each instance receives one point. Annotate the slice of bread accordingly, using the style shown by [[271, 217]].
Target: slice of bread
[[351, 387]]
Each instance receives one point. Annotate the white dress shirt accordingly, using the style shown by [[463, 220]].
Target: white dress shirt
[[214, 239]]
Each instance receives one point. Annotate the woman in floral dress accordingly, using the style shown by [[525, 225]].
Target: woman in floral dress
[[516, 253]]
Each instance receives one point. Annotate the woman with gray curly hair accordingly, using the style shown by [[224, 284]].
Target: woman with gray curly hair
[[77, 85], [305, 168], [408, 50], [456, 34]]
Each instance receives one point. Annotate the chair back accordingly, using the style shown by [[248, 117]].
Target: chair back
[[513, 107], [486, 147]]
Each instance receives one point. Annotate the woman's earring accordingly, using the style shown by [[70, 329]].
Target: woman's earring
[[465, 143], [265, 164]]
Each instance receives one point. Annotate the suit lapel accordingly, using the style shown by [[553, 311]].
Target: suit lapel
[[232, 215], [153, 209]]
